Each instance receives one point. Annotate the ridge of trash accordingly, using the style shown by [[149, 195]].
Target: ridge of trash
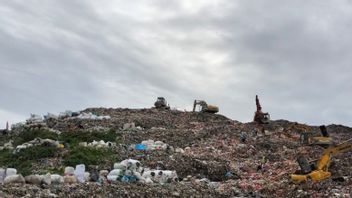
[[161, 153]]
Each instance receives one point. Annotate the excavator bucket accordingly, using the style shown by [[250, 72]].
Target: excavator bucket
[[319, 175], [324, 131], [304, 165], [298, 178]]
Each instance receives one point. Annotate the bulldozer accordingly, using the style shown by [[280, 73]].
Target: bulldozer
[[161, 103], [318, 170], [205, 108], [308, 138], [259, 116]]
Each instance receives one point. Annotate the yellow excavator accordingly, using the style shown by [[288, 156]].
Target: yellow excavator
[[318, 170], [205, 107], [308, 138]]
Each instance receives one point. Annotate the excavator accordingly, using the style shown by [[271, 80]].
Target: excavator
[[308, 138], [205, 108], [161, 103], [317, 170], [259, 116]]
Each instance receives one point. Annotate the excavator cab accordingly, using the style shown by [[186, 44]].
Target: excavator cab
[[161, 103], [262, 118]]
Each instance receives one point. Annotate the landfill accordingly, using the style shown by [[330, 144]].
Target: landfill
[[171, 153]]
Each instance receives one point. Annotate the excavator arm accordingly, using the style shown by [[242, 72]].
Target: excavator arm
[[320, 170]]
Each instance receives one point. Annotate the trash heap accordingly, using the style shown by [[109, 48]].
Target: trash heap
[[212, 155]]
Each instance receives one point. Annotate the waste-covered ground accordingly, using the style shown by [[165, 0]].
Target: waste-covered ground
[[207, 153]]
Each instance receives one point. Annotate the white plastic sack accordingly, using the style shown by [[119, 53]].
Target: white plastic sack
[[103, 173], [127, 161], [57, 179], [112, 177], [116, 172], [11, 171], [79, 172], [86, 176], [167, 176], [69, 170], [14, 179], [46, 179], [119, 166]]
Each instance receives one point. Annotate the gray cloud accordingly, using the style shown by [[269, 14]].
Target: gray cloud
[[59, 55]]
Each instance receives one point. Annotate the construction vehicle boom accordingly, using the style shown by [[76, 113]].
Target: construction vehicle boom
[[205, 107], [259, 116], [319, 171]]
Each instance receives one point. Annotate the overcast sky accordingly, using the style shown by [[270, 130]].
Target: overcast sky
[[58, 55]]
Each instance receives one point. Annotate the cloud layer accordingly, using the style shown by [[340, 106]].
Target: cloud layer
[[58, 55]]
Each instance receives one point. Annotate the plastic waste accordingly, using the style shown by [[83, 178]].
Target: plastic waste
[[79, 172], [11, 171], [69, 170], [140, 147]]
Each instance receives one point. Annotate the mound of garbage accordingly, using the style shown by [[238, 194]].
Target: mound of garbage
[[164, 153]]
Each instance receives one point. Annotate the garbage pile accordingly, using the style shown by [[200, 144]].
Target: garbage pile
[[212, 155]]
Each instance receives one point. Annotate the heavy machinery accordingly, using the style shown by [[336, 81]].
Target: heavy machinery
[[205, 107], [317, 170], [308, 138], [259, 116], [161, 103]]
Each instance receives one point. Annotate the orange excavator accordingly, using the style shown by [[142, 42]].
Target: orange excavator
[[259, 116], [318, 170], [205, 108]]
